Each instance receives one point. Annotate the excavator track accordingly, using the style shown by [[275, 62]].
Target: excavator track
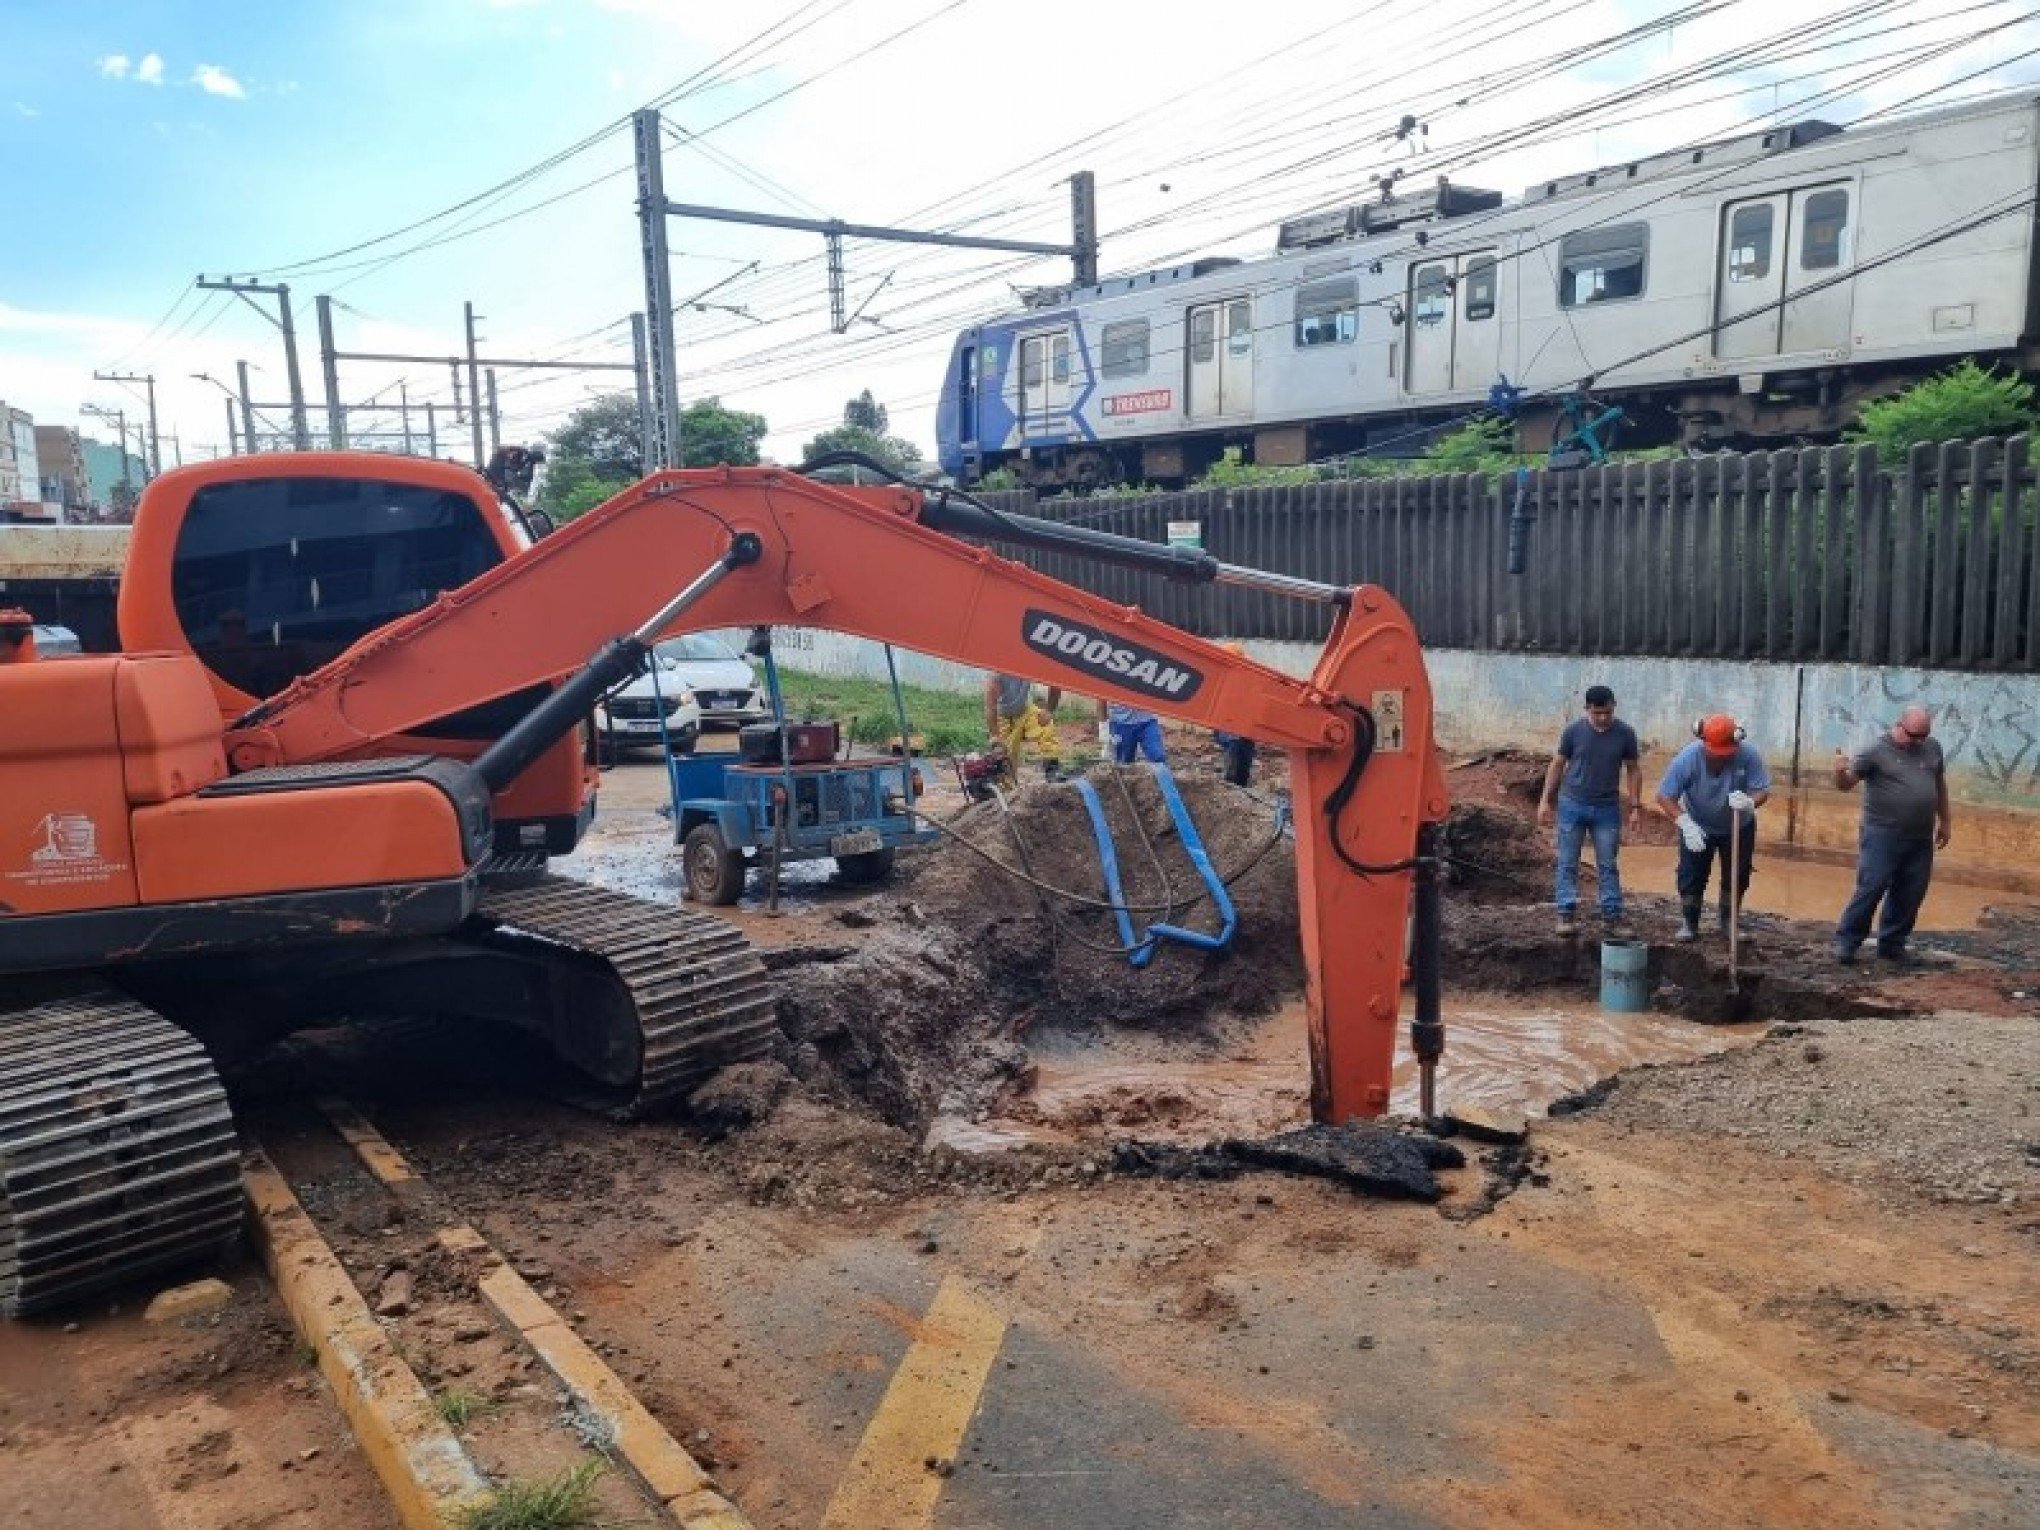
[[117, 1150], [701, 995]]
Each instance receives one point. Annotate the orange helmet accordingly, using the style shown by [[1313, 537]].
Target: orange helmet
[[1718, 734]]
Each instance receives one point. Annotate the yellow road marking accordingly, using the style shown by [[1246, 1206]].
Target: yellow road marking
[[923, 1414]]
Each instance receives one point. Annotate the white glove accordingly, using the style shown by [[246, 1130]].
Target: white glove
[[1104, 735], [1691, 832], [1742, 802]]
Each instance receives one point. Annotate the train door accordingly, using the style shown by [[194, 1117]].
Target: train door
[[1750, 277], [1045, 383], [1476, 333], [1821, 248], [1429, 346], [1773, 250], [1454, 341], [1218, 357]]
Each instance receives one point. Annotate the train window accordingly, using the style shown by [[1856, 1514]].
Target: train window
[[1059, 358], [1124, 352], [1033, 358], [1749, 243], [1239, 328], [1602, 265], [1203, 334], [1328, 313], [1434, 297], [1822, 230], [1479, 285]]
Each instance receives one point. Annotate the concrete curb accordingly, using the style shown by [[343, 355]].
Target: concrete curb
[[659, 1462], [427, 1474]]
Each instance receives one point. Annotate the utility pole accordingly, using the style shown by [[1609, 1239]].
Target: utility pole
[[301, 430], [664, 450], [404, 399], [329, 365], [495, 417], [152, 462], [177, 448], [474, 388], [247, 410], [644, 391], [431, 427]]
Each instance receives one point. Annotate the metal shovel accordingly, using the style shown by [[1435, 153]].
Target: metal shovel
[[1734, 899]]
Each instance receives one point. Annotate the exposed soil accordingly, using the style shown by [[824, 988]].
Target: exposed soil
[[1787, 1283], [921, 1006]]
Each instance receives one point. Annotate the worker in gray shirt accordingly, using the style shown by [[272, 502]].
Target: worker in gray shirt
[[1593, 779], [1906, 818]]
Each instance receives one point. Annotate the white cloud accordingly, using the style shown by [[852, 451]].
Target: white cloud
[[115, 66], [26, 110], [215, 81], [150, 70]]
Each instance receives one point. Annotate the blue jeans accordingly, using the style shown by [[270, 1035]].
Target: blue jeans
[[1144, 739], [1576, 820], [1893, 870]]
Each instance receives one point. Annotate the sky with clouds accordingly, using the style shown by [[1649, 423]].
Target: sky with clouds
[[405, 156]]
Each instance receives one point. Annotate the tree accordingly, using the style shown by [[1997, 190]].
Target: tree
[[712, 436], [863, 430], [603, 436], [598, 451], [867, 413], [1960, 404]]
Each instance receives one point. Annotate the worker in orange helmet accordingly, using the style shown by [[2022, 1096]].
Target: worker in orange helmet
[[1712, 789]]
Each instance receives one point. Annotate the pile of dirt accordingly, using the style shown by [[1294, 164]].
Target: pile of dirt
[[1496, 855], [1003, 928], [975, 885]]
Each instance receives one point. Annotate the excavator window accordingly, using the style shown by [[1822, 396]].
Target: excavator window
[[274, 577]]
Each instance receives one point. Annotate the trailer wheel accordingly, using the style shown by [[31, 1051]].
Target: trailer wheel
[[871, 866], [713, 871]]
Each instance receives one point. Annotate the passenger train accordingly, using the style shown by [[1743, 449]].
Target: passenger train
[[1733, 293]]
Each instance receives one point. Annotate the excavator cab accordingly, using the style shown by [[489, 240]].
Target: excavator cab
[[269, 568]]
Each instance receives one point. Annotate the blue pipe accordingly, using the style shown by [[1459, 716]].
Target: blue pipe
[[1141, 950]]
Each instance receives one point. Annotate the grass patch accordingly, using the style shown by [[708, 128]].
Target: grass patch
[[559, 1503], [948, 722], [459, 1407], [305, 1352]]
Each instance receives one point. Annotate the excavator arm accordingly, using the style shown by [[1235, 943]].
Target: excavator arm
[[744, 547]]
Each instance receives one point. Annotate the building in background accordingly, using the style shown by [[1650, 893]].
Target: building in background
[[64, 480], [113, 478], [21, 496]]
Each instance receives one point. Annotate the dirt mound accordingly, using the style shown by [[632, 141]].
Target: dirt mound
[[1002, 928], [1496, 855], [1063, 957]]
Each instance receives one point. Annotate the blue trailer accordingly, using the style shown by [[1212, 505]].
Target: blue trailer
[[730, 814]]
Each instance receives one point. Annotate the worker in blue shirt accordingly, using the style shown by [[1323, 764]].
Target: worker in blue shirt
[[1713, 787]]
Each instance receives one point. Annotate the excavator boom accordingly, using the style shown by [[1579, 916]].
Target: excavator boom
[[872, 563]]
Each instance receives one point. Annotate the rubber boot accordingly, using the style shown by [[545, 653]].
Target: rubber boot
[[1689, 921]]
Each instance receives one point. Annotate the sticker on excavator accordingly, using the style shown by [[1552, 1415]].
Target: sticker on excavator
[[1388, 722]]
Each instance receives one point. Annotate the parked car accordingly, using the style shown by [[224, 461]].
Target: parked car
[[52, 640], [719, 679], [629, 715]]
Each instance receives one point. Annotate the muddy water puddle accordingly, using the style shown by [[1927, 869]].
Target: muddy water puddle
[[1500, 1054], [1801, 889]]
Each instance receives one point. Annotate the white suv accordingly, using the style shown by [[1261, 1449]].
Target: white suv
[[629, 715]]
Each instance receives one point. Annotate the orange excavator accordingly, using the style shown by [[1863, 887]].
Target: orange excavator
[[347, 731]]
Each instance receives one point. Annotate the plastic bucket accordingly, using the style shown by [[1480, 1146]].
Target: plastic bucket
[[1625, 977]]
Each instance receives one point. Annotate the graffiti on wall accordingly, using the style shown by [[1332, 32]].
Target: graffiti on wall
[[1989, 726]]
